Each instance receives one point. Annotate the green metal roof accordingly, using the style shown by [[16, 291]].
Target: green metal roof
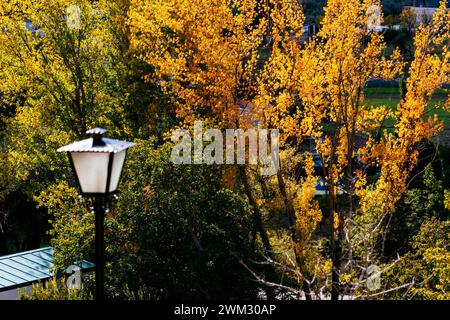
[[24, 268]]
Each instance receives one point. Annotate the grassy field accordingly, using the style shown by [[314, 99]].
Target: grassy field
[[382, 91], [391, 97], [394, 91]]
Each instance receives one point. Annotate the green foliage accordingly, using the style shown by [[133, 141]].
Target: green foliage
[[66, 73], [57, 81], [419, 204], [175, 231], [182, 228], [139, 294], [72, 226], [447, 199], [69, 80], [54, 289], [32, 162], [427, 267]]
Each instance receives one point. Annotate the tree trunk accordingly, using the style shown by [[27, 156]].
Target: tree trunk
[[258, 225], [335, 247], [257, 216], [295, 235], [335, 287]]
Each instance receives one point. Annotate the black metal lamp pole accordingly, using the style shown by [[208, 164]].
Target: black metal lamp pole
[[99, 211], [97, 163]]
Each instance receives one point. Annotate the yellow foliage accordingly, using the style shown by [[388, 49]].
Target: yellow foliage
[[307, 208], [205, 54]]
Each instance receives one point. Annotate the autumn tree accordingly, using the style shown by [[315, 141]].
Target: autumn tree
[[65, 67], [318, 94], [205, 54]]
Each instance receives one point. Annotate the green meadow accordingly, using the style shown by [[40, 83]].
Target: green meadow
[[390, 97]]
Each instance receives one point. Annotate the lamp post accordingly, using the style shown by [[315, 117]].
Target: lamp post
[[97, 164]]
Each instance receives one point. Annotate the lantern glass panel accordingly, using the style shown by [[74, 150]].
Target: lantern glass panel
[[116, 169], [92, 170]]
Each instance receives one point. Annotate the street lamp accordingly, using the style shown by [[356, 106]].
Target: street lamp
[[97, 164]]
